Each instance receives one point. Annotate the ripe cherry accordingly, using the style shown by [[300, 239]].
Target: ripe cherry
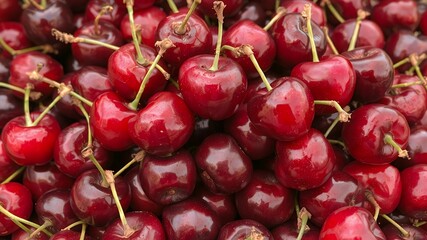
[[412, 202], [244, 229]]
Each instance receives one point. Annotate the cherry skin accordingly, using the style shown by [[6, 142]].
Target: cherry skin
[[15, 198], [170, 179], [414, 193], [68, 235], [93, 8], [139, 4], [279, 116], [289, 231], [23, 235], [10, 107], [92, 202], [233, 6], [212, 94], [30, 145], [4, 69], [10, 10], [416, 149], [297, 6], [13, 34], [304, 163], [145, 225], [223, 166], [350, 222], [244, 229], [7, 166], [364, 136], [163, 126], [252, 11], [348, 9], [415, 233], [265, 200], [392, 15], [190, 219]]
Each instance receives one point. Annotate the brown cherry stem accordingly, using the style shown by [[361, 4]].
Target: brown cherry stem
[[104, 10], [388, 139], [333, 10], [361, 15], [405, 233], [371, 199], [172, 6], [181, 28], [329, 40], [280, 12], [139, 57], [28, 120], [138, 157], [83, 232], [164, 45], [14, 175], [306, 13], [303, 216], [127, 230], [74, 224], [219, 9], [69, 38], [342, 114]]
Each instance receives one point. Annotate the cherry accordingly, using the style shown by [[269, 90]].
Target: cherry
[[251, 11], [30, 144], [93, 7], [392, 15], [15, 198], [23, 235], [280, 116], [190, 219], [304, 163], [289, 231], [223, 166], [265, 200], [376, 134], [92, 200], [68, 235], [13, 34], [10, 107], [4, 69], [163, 126], [144, 225], [416, 148], [77, 6], [350, 222], [297, 6], [233, 6], [10, 10], [244, 229], [7, 166], [41, 179], [392, 233], [347, 9], [168, 180], [202, 129], [412, 202]]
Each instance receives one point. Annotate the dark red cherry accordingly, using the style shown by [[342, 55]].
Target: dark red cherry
[[392, 15], [68, 235], [233, 6], [290, 231], [252, 11], [15, 198], [365, 136], [223, 166], [77, 6], [348, 8], [414, 193], [93, 8], [10, 10], [7, 166], [297, 6], [190, 219], [10, 107], [30, 145], [4, 69], [416, 149], [244, 229], [23, 235], [13, 34], [415, 233], [139, 4]]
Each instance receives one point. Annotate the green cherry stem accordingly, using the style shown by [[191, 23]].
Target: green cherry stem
[[69, 38], [415, 62], [139, 57], [127, 230], [405, 234], [371, 199], [104, 10], [172, 6], [334, 123], [280, 12], [74, 224], [343, 116], [361, 15], [14, 175], [45, 225], [388, 139], [181, 28], [22, 226], [408, 84], [138, 157], [219, 9], [303, 216], [164, 45], [28, 120], [337, 142], [83, 232], [306, 13], [329, 40], [247, 51], [333, 10]]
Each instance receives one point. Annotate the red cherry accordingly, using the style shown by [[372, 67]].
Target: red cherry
[[244, 229], [10, 10], [13, 34], [252, 11], [68, 235], [414, 193], [93, 8], [289, 231], [7, 166], [297, 6], [392, 233], [392, 15]]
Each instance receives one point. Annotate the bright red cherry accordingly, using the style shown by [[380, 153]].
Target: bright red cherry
[[13, 34], [414, 193]]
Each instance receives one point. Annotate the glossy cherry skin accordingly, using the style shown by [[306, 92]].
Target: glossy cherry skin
[[30, 145], [286, 112], [15, 198], [68, 151], [415, 233], [244, 229], [364, 134], [95, 55], [93, 7], [255, 144], [297, 6], [304, 163], [10, 107], [212, 94], [126, 74], [333, 78], [265, 200], [145, 225], [23, 235], [7, 166], [148, 19], [39, 23], [292, 42], [348, 8], [163, 126], [407, 100], [10, 10], [264, 48], [383, 181], [68, 235], [223, 166], [93, 202], [338, 191], [168, 180], [13, 34], [252, 11], [54, 207], [27, 62], [289, 231], [109, 122], [190, 219], [350, 222], [41, 179], [416, 149], [374, 73], [233, 6], [370, 34], [392, 15], [414, 193], [196, 40]]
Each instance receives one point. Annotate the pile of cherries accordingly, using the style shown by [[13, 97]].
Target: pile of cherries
[[233, 119]]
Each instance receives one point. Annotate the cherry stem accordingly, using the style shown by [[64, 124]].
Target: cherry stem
[[418, 223], [329, 40], [370, 197], [12, 87], [104, 10], [22, 226], [334, 123], [40, 6], [14, 175], [406, 60], [277, 4], [296, 203], [218, 6], [21, 220], [88, 153], [45, 48], [69, 38], [172, 6], [343, 116], [83, 232], [303, 216], [388, 139], [361, 15], [163, 71], [415, 61], [183, 25], [74, 224], [86, 115], [139, 57], [138, 157], [127, 230], [408, 84], [333, 10], [333, 141], [306, 13], [35, 75], [280, 12], [405, 233], [27, 115], [41, 228], [164, 45]]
